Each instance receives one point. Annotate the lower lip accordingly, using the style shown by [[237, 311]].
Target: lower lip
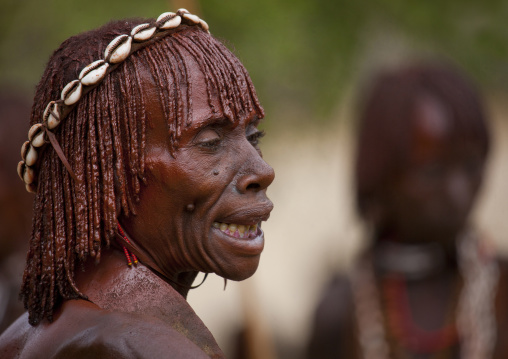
[[245, 246]]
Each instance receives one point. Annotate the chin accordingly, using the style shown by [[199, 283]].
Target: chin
[[240, 269], [236, 256]]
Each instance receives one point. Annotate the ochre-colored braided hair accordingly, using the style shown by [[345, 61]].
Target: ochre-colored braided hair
[[103, 138]]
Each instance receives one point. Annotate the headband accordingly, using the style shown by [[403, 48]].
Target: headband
[[90, 77]]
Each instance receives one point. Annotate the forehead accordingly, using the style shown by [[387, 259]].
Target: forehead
[[435, 133], [195, 102], [187, 98], [431, 122]]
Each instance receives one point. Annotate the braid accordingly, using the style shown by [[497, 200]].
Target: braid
[[104, 139]]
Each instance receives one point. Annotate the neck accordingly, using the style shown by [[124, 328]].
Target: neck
[[181, 281], [414, 261], [113, 267]]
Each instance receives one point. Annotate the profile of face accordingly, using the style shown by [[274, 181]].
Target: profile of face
[[202, 206], [430, 198]]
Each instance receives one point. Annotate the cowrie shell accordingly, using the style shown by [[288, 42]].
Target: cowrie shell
[[28, 154], [204, 25], [143, 32], [193, 19], [34, 135], [32, 188], [182, 11], [72, 92], [28, 175], [118, 49], [21, 169], [169, 20], [93, 73], [24, 150], [31, 157], [51, 115], [165, 16], [38, 140]]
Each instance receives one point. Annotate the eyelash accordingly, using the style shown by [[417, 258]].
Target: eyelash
[[255, 137], [212, 144], [215, 143]]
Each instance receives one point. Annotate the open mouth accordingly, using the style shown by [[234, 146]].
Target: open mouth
[[240, 231]]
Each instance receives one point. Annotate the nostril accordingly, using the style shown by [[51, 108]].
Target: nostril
[[253, 186], [255, 176]]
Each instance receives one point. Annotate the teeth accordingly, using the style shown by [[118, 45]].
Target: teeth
[[237, 230]]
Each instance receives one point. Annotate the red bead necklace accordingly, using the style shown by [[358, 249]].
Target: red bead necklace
[[402, 326]]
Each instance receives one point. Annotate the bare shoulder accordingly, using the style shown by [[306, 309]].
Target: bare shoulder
[[84, 331], [14, 338]]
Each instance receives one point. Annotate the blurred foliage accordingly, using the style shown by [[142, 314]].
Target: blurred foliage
[[302, 55]]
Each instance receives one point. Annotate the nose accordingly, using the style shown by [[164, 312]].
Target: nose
[[255, 175]]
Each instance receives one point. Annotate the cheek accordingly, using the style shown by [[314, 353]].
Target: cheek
[[187, 179]]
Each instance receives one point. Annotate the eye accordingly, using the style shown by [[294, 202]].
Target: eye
[[208, 139], [255, 137]]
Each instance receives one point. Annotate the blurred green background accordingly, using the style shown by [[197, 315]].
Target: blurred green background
[[302, 54]]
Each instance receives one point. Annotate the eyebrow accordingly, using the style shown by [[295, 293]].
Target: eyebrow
[[255, 121], [213, 121], [223, 121]]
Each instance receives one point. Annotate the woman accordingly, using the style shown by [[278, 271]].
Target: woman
[[427, 286], [150, 153]]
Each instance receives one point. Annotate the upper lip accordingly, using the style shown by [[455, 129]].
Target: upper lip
[[248, 214]]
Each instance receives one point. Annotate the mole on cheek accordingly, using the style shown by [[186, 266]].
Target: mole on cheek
[[215, 172]]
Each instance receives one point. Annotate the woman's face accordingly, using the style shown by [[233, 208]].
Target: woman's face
[[201, 209], [431, 198]]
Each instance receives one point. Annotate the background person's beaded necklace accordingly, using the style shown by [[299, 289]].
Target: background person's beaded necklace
[[475, 318]]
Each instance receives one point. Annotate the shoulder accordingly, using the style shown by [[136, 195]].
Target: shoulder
[[334, 307], [502, 309], [83, 331], [503, 265], [14, 338], [502, 286], [332, 323], [121, 335]]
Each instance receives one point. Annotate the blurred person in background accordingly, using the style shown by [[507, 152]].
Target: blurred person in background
[[428, 285], [15, 205]]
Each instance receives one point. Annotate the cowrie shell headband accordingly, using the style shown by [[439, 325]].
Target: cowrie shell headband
[[91, 76]]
